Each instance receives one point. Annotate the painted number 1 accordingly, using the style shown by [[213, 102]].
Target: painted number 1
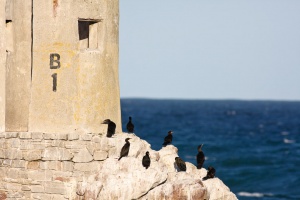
[[54, 64], [54, 76]]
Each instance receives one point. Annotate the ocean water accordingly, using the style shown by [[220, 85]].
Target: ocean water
[[253, 145]]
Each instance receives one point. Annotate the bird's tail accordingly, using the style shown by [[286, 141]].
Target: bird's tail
[[120, 158]]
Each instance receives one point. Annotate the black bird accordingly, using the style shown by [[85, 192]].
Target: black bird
[[168, 139], [130, 126], [146, 160], [180, 164], [211, 172], [200, 157], [125, 149], [111, 128]]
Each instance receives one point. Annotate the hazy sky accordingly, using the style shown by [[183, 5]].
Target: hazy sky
[[217, 49]]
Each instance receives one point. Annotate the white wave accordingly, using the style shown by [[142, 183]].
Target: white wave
[[287, 141], [190, 157], [254, 194], [195, 157], [210, 158]]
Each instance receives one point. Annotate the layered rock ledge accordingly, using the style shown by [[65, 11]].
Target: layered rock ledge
[[85, 166]]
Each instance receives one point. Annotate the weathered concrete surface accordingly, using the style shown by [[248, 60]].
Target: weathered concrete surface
[[18, 66], [87, 81], [2, 66], [84, 34]]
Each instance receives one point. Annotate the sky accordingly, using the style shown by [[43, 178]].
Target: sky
[[217, 49]]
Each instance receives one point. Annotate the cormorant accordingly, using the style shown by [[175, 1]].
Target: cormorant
[[168, 139], [200, 157], [180, 164], [146, 160], [111, 128], [130, 126], [211, 172], [125, 149]]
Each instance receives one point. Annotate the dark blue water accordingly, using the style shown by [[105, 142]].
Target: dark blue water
[[254, 145]]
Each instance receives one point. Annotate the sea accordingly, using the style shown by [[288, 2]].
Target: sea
[[253, 145]]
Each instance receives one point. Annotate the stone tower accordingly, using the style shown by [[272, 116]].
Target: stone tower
[[58, 65]]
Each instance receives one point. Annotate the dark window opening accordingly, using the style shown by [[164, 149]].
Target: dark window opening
[[88, 31], [83, 29]]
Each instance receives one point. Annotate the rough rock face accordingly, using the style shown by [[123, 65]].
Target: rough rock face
[[178, 186], [128, 179], [217, 190], [86, 166]]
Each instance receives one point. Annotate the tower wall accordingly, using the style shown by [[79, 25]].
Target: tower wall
[[60, 60], [18, 64], [2, 66]]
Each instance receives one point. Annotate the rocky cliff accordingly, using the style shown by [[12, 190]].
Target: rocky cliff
[[85, 166]]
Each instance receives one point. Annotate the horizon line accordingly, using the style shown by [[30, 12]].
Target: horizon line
[[209, 99]]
